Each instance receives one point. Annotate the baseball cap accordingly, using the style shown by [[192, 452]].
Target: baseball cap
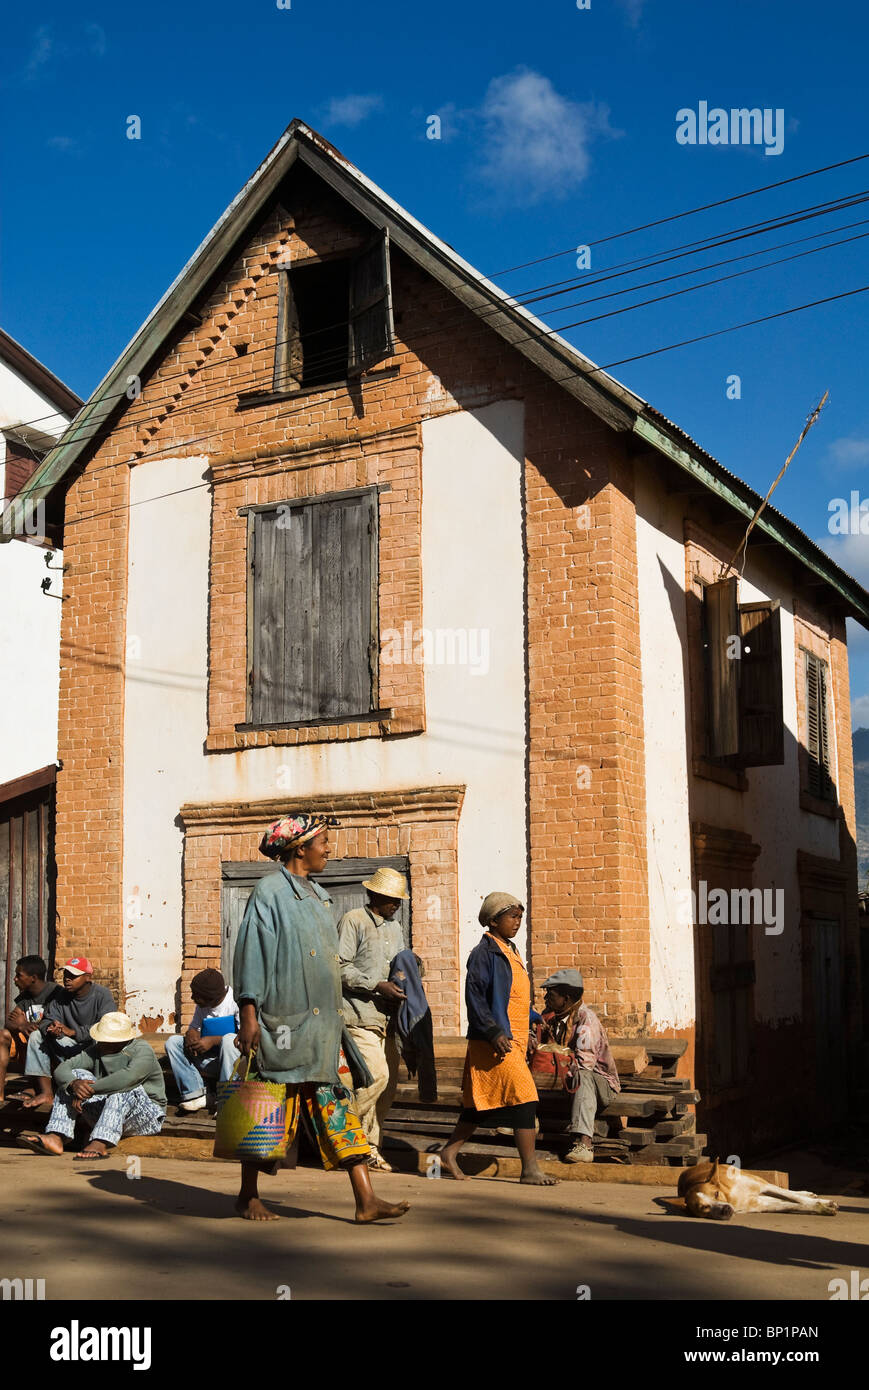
[[570, 977], [79, 965]]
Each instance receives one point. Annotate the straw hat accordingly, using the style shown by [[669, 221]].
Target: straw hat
[[114, 1028], [388, 883]]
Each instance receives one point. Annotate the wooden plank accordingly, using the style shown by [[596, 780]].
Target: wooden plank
[[301, 620], [630, 1058], [631, 1105], [656, 1047], [31, 873], [268, 622]]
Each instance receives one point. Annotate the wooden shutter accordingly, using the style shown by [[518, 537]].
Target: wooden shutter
[[26, 883], [761, 719], [721, 622], [313, 639], [817, 728], [372, 336], [288, 348]]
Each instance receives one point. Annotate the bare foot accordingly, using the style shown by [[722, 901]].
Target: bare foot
[[536, 1177], [450, 1162], [252, 1209], [377, 1210], [34, 1102]]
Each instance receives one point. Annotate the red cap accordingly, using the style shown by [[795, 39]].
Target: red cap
[[79, 965]]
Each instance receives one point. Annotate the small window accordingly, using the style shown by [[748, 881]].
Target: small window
[[743, 668], [820, 781], [334, 318]]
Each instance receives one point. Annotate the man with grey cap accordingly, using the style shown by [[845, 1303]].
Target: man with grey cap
[[369, 939], [570, 1023]]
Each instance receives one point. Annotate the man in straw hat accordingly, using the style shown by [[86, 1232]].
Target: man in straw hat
[[369, 939], [114, 1084], [287, 980]]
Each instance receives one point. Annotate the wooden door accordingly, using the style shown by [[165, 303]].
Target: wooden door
[[342, 879], [26, 883], [830, 1053]]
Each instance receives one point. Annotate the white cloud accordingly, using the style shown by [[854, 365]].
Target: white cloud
[[40, 54], [851, 553], [846, 452], [534, 139], [352, 110], [633, 11], [47, 48], [860, 712]]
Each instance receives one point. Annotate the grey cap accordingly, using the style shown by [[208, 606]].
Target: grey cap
[[571, 978]]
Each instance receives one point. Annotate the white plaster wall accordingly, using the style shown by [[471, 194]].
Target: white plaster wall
[[29, 659], [473, 578], [29, 619], [769, 810], [661, 566]]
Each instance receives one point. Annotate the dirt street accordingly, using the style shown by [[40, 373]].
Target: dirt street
[[171, 1233]]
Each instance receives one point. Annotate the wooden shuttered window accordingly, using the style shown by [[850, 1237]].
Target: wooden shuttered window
[[372, 335], [761, 716], [745, 722], [721, 614], [334, 317], [820, 781], [312, 610]]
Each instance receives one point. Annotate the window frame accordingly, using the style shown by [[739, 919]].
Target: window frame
[[250, 513]]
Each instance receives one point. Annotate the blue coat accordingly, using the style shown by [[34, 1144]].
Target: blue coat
[[488, 983], [286, 963]]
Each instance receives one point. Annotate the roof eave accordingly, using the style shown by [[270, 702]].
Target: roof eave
[[772, 523]]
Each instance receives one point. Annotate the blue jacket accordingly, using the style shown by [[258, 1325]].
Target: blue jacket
[[488, 983]]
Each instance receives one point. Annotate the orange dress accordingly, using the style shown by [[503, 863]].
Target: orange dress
[[491, 1081]]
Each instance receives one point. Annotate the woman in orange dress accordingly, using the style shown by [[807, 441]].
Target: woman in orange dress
[[498, 1089]]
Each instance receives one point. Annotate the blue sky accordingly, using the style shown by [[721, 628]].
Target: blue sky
[[558, 129]]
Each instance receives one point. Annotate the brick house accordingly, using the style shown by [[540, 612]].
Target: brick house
[[347, 528], [35, 409]]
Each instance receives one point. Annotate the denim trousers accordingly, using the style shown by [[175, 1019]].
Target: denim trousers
[[189, 1071]]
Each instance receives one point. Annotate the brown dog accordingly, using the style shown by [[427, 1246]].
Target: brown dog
[[718, 1191]]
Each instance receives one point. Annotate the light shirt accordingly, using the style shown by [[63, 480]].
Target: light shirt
[[226, 1007], [367, 946]]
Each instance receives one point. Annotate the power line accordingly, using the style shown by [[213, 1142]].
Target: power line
[[669, 347], [690, 212], [535, 294]]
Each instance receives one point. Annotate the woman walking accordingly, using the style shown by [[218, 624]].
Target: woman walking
[[498, 1089]]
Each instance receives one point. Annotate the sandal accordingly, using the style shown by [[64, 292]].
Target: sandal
[[34, 1144]]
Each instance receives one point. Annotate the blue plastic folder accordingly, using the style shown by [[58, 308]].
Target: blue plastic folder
[[218, 1027]]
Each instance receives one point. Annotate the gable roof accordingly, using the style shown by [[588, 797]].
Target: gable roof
[[38, 376], [608, 398]]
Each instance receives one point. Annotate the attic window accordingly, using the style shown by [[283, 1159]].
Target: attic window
[[334, 318]]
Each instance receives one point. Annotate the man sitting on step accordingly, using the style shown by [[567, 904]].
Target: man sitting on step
[[570, 1023], [208, 1047], [115, 1085]]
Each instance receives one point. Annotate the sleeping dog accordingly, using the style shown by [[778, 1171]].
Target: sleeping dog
[[718, 1191]]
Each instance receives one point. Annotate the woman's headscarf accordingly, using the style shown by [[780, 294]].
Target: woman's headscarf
[[494, 905], [291, 831]]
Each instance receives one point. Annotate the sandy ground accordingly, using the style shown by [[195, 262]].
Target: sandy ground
[[172, 1233]]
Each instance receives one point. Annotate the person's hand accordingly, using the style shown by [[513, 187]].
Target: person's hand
[[502, 1044], [390, 991], [532, 1047], [81, 1089], [247, 1040], [16, 1020]]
